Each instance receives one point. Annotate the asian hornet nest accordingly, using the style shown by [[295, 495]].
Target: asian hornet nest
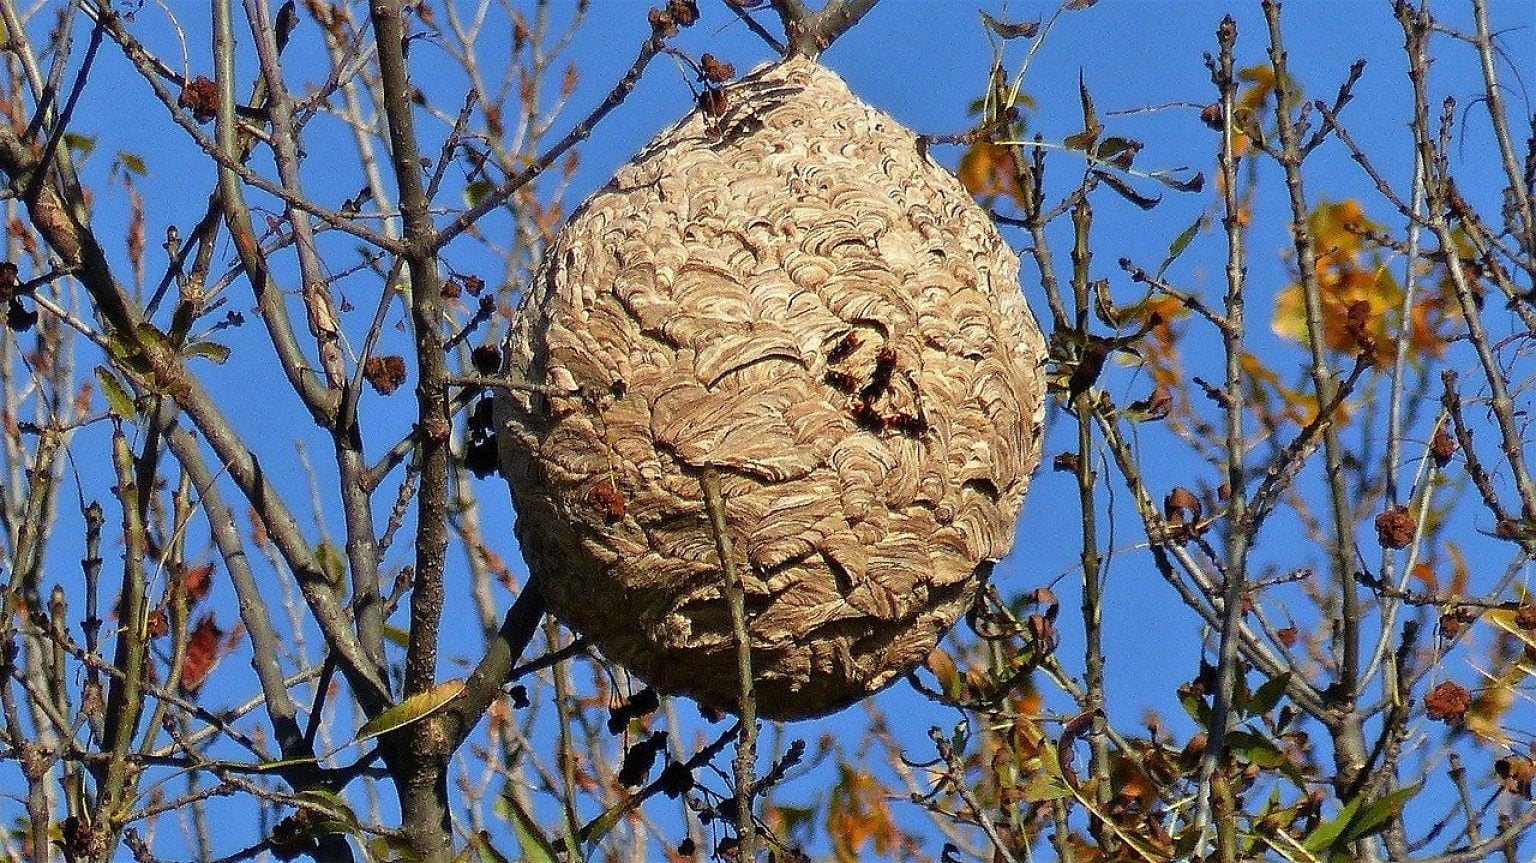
[[787, 289]]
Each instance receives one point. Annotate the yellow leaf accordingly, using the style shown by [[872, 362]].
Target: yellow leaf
[[413, 709], [1359, 298]]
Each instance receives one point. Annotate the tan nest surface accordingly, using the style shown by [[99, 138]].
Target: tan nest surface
[[793, 293]]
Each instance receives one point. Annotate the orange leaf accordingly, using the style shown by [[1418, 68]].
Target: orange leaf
[[196, 583], [988, 170], [202, 653], [858, 814]]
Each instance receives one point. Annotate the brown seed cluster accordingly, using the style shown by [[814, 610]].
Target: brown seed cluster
[[792, 294], [1395, 527], [1442, 448], [1448, 703], [677, 13], [201, 97], [385, 374]]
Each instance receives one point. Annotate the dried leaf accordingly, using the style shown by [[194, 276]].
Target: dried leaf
[[1089, 366], [1182, 506], [196, 583], [1010, 30], [1126, 191], [1092, 128], [1154, 407], [1172, 181]]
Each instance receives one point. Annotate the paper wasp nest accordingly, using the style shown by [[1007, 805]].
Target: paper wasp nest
[[792, 292]]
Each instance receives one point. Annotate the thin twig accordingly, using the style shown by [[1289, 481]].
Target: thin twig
[[498, 196], [745, 763], [753, 25]]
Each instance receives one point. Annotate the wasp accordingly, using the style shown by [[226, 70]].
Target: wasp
[[606, 498], [911, 425], [841, 381], [867, 417], [880, 378], [844, 348], [713, 101]]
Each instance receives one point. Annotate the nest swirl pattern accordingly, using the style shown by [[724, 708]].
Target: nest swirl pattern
[[792, 292]]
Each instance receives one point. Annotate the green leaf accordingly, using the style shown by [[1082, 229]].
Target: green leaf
[[1329, 833], [337, 815], [1185, 844], [481, 844], [396, 636], [1197, 709], [1240, 686], [331, 563], [413, 709], [150, 335], [119, 400], [1373, 818], [1043, 788], [132, 163], [476, 191], [1118, 151], [1255, 749], [1268, 695], [208, 350], [795, 817], [1180, 243], [390, 848], [273, 765], [535, 846], [84, 145], [600, 826]]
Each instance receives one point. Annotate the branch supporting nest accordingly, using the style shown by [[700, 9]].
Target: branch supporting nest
[[810, 33]]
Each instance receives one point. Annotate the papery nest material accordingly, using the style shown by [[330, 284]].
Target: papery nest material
[[787, 289]]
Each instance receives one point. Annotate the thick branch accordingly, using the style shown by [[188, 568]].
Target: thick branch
[[810, 33], [495, 668], [418, 761]]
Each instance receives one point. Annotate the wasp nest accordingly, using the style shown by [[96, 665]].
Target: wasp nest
[[787, 289]]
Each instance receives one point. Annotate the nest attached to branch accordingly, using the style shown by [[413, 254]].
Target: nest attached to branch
[[787, 289]]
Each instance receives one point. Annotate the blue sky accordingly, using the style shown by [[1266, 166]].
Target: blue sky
[[923, 61]]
